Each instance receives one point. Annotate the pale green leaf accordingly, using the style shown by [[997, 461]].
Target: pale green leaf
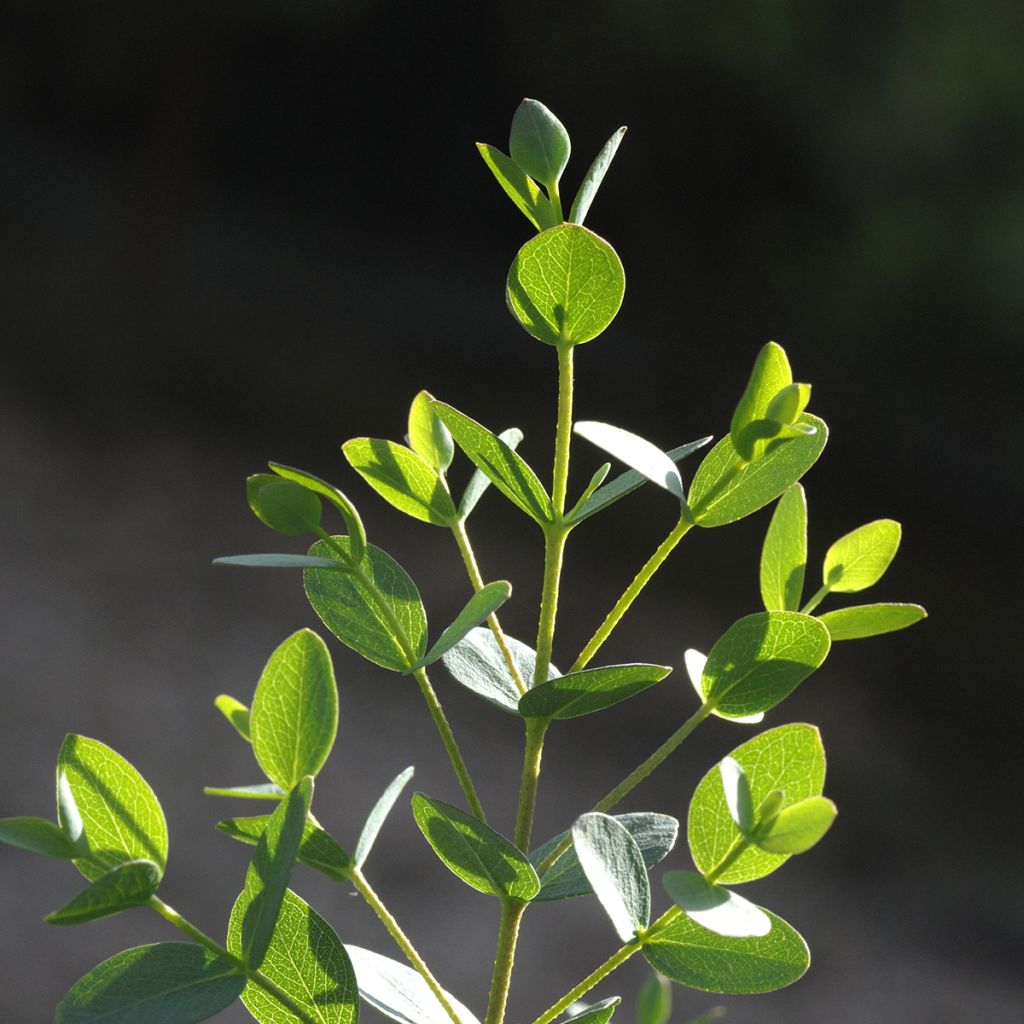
[[236, 713], [598, 1013], [750, 427], [565, 285], [594, 177], [592, 689], [715, 907], [282, 561], [859, 560], [477, 663], [870, 620], [538, 142], [283, 505], [475, 852], [636, 452], [695, 662], [784, 555], [128, 885], [351, 612], [318, 849], [738, 797], [654, 1000], [615, 868], [165, 983], [428, 436], [38, 836], [798, 826], [260, 791], [519, 187], [487, 600], [376, 818]]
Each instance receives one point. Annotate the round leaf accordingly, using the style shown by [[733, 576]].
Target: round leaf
[[859, 560], [538, 142], [284, 506]]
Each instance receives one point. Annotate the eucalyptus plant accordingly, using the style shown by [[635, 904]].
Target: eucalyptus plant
[[760, 805]]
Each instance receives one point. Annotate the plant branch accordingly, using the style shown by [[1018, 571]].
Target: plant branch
[[816, 600], [504, 957]]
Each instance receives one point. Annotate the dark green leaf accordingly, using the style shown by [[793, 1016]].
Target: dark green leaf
[[797, 827], [714, 907], [261, 791], [870, 620], [654, 1000], [284, 506], [128, 885], [538, 142], [318, 849], [784, 555], [478, 664], [480, 481], [38, 836], [376, 818], [484, 602], [428, 436], [594, 177], [593, 689], [598, 1013], [272, 561], [519, 187], [859, 560]]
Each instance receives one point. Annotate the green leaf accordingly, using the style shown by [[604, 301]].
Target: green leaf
[[318, 849], [784, 555], [593, 689], [428, 436], [376, 818], [761, 659], [749, 427], [565, 286], [476, 853], [695, 662], [859, 560], [788, 403], [282, 505], [519, 187], [350, 611], [615, 868], [128, 885], [724, 489], [354, 525], [270, 870], [295, 710], [738, 798], [598, 1013], [654, 1000], [654, 835], [594, 177], [799, 826], [625, 484], [260, 791], [271, 561], [305, 959], [493, 457], [692, 955], [480, 481], [403, 478], [38, 836], [236, 713], [483, 603], [538, 142], [165, 983], [636, 452], [789, 758], [121, 819], [870, 620], [399, 992], [715, 907], [476, 662]]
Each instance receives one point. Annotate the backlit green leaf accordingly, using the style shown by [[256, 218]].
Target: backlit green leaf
[[351, 611], [784, 555], [475, 852], [428, 436], [859, 560], [260, 791], [519, 187], [598, 1013], [283, 505], [565, 285], [798, 826], [538, 142], [165, 983], [36, 835], [128, 885], [294, 715], [480, 481], [749, 427], [376, 818], [593, 689], [478, 664], [318, 849], [738, 797], [236, 713], [714, 907], [636, 452], [691, 955], [594, 177], [654, 1000], [484, 602], [789, 758], [121, 819], [695, 662], [871, 620]]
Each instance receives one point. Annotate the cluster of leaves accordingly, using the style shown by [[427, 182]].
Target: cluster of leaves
[[762, 804]]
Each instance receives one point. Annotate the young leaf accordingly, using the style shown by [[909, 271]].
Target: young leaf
[[260, 791], [593, 689], [128, 885], [565, 286], [476, 662], [789, 758], [695, 662], [351, 612], [654, 834], [165, 983], [484, 602], [538, 142], [799, 826], [403, 478], [38, 836], [715, 907], [519, 187], [749, 424], [399, 992], [271, 561], [784, 555], [475, 852], [305, 959], [691, 955], [295, 710], [480, 481], [761, 659], [381, 809], [318, 849], [120, 816], [598, 1013], [493, 457], [428, 436], [269, 872], [236, 713], [859, 560], [594, 177], [282, 505], [654, 1000], [724, 490], [615, 868], [636, 452], [870, 620], [738, 798]]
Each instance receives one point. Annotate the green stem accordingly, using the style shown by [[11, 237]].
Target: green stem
[[469, 558], [536, 728], [257, 977], [563, 430], [816, 600], [631, 593], [732, 855], [387, 919], [504, 957], [556, 201]]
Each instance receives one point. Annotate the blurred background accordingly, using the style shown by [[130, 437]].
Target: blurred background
[[241, 231]]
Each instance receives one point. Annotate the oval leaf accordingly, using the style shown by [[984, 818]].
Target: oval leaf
[[428, 436], [859, 560], [487, 600], [771, 374], [784, 555], [282, 505], [376, 818], [695, 662], [538, 142], [128, 885], [38, 836], [519, 187], [714, 907], [285, 561], [565, 286], [594, 177], [870, 620], [654, 1000], [317, 848], [475, 852], [799, 826], [636, 452], [592, 689]]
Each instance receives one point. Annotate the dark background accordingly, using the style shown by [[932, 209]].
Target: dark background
[[241, 231]]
